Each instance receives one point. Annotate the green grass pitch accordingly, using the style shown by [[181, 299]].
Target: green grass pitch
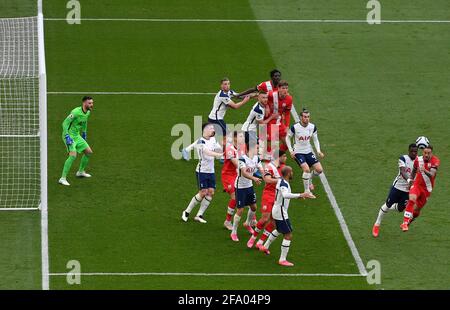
[[371, 89]]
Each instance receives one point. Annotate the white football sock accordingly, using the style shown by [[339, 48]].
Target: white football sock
[[250, 216], [273, 235], [236, 221], [383, 210], [284, 249], [194, 201], [204, 205], [306, 176]]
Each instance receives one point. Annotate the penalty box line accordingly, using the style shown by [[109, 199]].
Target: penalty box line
[[198, 274]]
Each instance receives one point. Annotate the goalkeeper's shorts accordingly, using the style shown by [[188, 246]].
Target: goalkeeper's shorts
[[78, 145]]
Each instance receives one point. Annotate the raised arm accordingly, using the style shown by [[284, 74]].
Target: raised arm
[[233, 105], [289, 136], [246, 92]]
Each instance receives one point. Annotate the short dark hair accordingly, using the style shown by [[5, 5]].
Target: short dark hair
[[272, 73], [204, 126], [304, 110], [412, 145], [429, 147], [86, 98], [283, 83], [224, 80]]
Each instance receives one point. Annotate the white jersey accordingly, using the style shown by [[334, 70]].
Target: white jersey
[[302, 138], [256, 114], [220, 104], [282, 198], [250, 165], [205, 162], [400, 182]]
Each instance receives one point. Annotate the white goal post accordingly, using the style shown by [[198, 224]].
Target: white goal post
[[23, 121], [23, 132]]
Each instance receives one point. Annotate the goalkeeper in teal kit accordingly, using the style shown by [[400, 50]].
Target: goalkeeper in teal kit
[[74, 136]]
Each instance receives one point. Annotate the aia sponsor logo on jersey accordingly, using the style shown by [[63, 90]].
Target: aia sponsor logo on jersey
[[304, 138]]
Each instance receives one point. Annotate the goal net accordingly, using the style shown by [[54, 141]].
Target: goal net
[[22, 94]]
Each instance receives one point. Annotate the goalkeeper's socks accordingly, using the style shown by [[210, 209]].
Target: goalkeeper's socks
[[204, 205], [84, 162], [383, 210], [194, 201], [67, 166]]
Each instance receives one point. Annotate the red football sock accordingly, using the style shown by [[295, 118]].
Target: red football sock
[[258, 228], [416, 213], [231, 206], [408, 215]]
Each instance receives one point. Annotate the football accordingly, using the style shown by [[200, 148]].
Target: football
[[422, 142]]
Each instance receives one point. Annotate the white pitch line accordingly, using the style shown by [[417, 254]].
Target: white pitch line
[[131, 274], [126, 93], [273, 21], [343, 224]]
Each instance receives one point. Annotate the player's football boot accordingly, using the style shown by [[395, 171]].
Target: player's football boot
[[83, 174], [185, 154], [234, 237], [285, 263], [265, 250], [200, 219], [251, 242], [185, 216], [375, 230], [404, 227], [228, 225], [63, 181], [249, 228]]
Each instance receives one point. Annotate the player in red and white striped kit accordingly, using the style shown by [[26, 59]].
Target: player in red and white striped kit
[[423, 175]]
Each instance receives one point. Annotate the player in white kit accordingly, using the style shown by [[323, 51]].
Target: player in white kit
[[399, 193], [245, 194], [207, 149], [280, 213], [302, 151], [222, 101]]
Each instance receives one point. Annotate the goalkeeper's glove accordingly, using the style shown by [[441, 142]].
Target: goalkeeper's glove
[[84, 135], [69, 140]]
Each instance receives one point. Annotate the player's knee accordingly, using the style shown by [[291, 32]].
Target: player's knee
[[318, 170], [203, 193], [211, 192], [413, 198], [306, 169], [88, 151], [73, 154]]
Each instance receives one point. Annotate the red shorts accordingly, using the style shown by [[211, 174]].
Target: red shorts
[[267, 203], [228, 183], [422, 195]]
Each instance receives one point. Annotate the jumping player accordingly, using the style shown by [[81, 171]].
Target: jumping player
[[424, 174], [207, 149], [302, 152], [398, 195], [222, 101]]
